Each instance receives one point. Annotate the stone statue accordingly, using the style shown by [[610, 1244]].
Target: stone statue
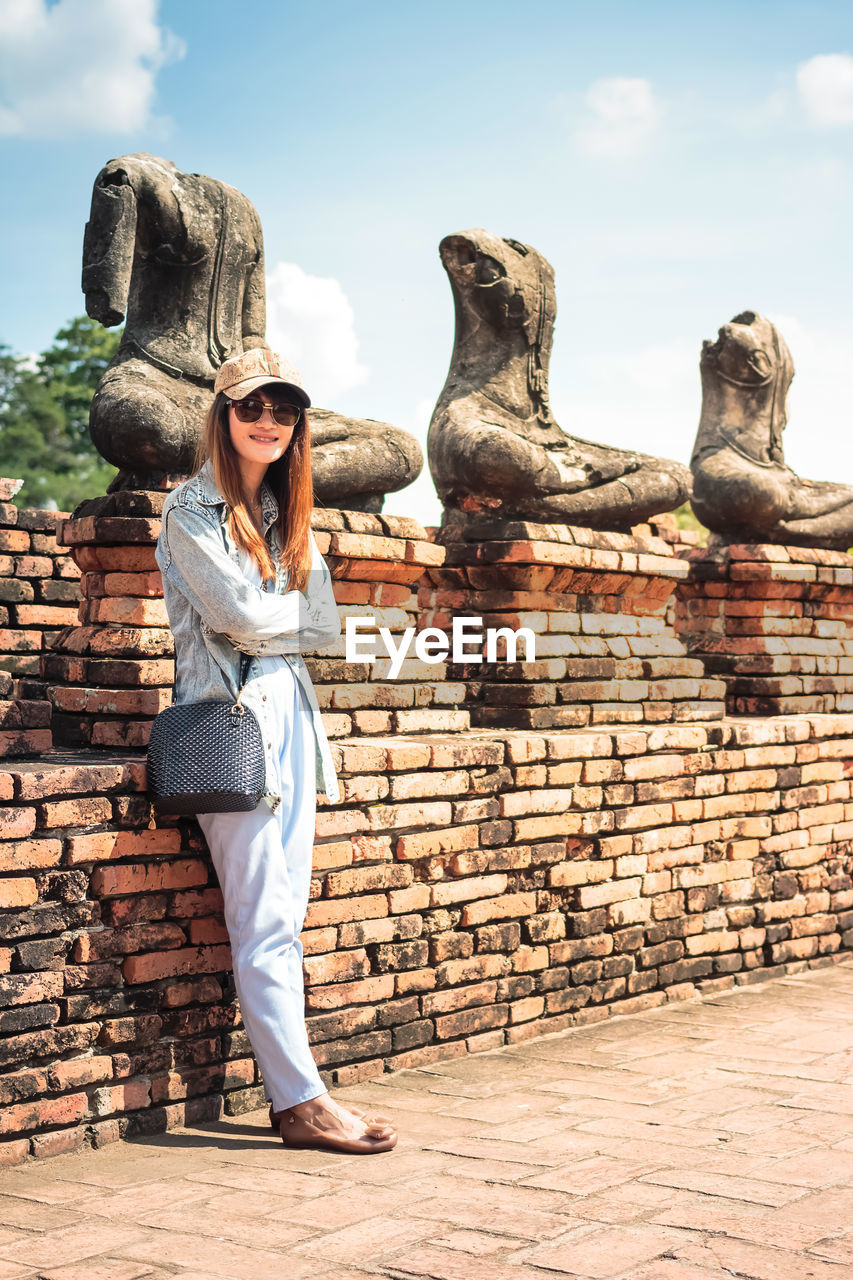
[[742, 488], [180, 257], [356, 461], [493, 444]]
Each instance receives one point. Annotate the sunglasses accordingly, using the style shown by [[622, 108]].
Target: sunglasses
[[251, 410]]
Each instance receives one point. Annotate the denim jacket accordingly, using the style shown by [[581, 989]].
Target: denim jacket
[[216, 614]]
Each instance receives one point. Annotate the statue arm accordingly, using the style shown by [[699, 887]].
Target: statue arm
[[254, 319], [108, 247]]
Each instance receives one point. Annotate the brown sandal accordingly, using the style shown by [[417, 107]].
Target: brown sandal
[[298, 1132]]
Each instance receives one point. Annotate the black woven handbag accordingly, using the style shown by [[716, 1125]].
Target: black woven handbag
[[206, 757]]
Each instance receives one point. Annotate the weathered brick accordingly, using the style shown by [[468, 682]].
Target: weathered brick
[[29, 855], [364, 879], [18, 892], [331, 911], [340, 967], [74, 813], [144, 878], [499, 908], [430, 843], [148, 968], [467, 889], [468, 1021]]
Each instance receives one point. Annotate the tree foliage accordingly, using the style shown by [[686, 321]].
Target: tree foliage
[[44, 417], [687, 519]]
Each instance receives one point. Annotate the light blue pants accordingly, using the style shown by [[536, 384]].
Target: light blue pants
[[263, 861]]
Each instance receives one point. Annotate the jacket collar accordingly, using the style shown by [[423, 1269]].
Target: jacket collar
[[207, 492]]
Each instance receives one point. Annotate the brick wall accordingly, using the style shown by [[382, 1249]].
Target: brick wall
[[111, 668], [775, 624], [470, 890], [600, 607], [38, 583], [473, 887]]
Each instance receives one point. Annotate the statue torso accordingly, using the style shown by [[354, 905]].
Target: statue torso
[[186, 294]]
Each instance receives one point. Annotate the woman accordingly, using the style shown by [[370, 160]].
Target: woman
[[242, 574]]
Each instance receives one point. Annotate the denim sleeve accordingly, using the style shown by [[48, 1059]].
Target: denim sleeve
[[197, 563]]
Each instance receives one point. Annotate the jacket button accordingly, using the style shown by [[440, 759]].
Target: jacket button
[[264, 696]]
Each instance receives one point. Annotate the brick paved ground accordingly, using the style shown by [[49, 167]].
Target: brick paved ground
[[703, 1139]]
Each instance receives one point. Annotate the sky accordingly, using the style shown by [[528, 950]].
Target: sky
[[676, 163]]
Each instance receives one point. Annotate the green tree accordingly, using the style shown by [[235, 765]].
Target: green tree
[[687, 519], [44, 417]]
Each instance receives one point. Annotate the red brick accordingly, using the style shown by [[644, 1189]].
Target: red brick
[[341, 994], [414, 898], [77, 1072], [135, 1032], [82, 976], [424, 844], [341, 967], [524, 1010], [474, 969], [407, 755], [131, 1096], [109, 882], [328, 912], [74, 813], [44, 1111], [20, 892], [195, 903], [468, 1021], [204, 931], [499, 908], [464, 890], [206, 991], [363, 879], [101, 846], [149, 968], [27, 855], [14, 540], [16, 823], [140, 937]]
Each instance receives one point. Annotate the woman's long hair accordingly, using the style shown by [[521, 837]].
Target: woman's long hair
[[289, 477]]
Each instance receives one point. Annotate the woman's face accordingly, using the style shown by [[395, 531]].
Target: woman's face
[[266, 440]]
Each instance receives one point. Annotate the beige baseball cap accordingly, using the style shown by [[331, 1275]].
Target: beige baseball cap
[[241, 375]]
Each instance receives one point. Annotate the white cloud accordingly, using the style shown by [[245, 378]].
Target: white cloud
[[667, 369], [645, 399], [825, 85], [622, 117], [80, 66], [419, 499], [817, 440], [421, 417], [664, 241], [650, 399], [311, 323]]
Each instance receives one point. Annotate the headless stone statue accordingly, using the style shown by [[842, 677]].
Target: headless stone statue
[[179, 257], [742, 487], [493, 444]]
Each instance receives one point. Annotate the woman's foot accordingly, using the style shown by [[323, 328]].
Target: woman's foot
[[276, 1117], [323, 1124]]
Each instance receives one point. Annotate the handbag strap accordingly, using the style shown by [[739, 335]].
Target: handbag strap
[[245, 663]]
